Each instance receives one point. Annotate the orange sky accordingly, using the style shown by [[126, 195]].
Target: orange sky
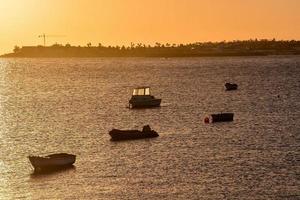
[[120, 22]]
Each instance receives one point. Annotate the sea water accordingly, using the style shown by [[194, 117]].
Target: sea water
[[69, 105]]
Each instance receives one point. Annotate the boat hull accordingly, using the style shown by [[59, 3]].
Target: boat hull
[[145, 103], [231, 86], [223, 117], [117, 135], [54, 161]]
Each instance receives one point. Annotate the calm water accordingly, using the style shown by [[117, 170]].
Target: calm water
[[69, 105]]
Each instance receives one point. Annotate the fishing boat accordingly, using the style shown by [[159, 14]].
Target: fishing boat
[[231, 86], [222, 117], [117, 135], [141, 98], [52, 161]]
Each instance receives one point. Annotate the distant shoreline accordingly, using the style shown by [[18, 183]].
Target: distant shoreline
[[199, 56], [207, 49], [158, 56]]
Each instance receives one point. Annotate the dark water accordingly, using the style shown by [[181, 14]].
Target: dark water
[[69, 105]]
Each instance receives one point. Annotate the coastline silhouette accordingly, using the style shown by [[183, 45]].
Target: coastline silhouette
[[250, 47]]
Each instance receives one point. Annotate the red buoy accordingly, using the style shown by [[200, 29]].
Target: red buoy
[[206, 120]]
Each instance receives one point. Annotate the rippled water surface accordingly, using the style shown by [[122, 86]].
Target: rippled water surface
[[69, 105]]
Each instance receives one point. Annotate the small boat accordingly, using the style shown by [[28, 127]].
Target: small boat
[[117, 135], [53, 161], [222, 117], [141, 98], [231, 86]]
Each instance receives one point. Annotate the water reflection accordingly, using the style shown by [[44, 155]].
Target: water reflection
[[52, 171]]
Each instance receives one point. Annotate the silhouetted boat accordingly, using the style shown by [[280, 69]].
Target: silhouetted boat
[[53, 161], [222, 117], [141, 98], [231, 86], [132, 134]]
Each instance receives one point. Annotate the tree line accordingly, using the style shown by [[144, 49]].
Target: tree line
[[223, 48]]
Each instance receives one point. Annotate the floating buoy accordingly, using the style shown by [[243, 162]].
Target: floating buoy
[[206, 120]]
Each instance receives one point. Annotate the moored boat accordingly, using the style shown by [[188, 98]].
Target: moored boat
[[132, 134], [231, 86], [52, 161], [141, 98], [222, 117]]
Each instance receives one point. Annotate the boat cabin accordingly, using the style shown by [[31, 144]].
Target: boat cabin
[[141, 91]]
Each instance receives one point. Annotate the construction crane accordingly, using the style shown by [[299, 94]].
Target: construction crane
[[44, 36]]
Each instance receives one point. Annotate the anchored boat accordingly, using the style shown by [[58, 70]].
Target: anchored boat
[[231, 86], [222, 117], [141, 98], [132, 134], [53, 161]]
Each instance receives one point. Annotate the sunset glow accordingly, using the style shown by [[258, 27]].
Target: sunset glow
[[120, 22]]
